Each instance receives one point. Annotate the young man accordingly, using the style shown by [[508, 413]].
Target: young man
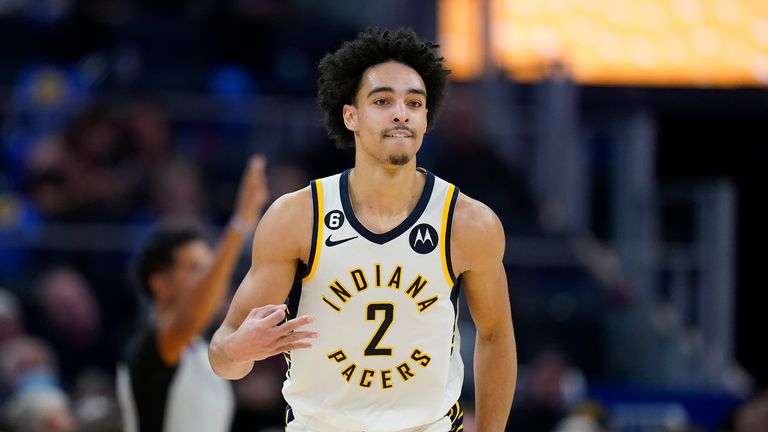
[[378, 253], [165, 383]]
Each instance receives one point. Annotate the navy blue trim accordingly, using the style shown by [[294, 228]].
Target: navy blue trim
[[315, 218], [294, 296], [455, 294], [288, 415], [293, 300], [448, 225], [346, 204], [455, 291], [456, 415]]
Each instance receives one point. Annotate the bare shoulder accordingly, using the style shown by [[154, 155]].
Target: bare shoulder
[[287, 225], [477, 234], [294, 204]]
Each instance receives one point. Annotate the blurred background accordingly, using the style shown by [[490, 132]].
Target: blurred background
[[621, 142]]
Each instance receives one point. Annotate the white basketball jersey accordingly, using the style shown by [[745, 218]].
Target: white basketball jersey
[[387, 356]]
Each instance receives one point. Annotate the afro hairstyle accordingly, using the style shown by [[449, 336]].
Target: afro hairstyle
[[341, 74]]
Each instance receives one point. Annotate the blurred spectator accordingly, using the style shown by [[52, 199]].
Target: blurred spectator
[[43, 100], [95, 149], [46, 179], [11, 317], [27, 363], [149, 135], [549, 385], [70, 318], [149, 139], [750, 416], [259, 400], [39, 410], [93, 398], [178, 194], [587, 417], [81, 175], [69, 307], [753, 416]]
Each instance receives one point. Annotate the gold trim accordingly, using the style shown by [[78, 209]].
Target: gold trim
[[319, 238], [443, 239]]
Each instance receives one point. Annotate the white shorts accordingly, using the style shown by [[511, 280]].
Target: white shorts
[[452, 422]]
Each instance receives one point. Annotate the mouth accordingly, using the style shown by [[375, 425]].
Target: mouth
[[399, 133]]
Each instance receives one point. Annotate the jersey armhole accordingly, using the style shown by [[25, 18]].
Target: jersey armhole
[[450, 204], [317, 229]]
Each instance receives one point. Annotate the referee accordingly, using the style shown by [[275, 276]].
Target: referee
[[164, 381]]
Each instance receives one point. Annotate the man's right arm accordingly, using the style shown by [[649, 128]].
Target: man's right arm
[[252, 329]]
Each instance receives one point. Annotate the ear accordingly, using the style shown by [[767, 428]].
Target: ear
[[349, 113]]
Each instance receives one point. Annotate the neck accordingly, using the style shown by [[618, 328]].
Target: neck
[[387, 193]]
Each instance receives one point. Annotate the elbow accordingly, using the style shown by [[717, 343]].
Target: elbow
[[220, 365], [503, 334]]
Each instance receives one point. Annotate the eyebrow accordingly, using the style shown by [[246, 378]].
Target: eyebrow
[[391, 90]]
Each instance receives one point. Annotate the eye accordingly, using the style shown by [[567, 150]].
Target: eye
[[415, 104], [380, 102]]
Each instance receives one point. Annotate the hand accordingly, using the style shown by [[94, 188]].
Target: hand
[[261, 335], [253, 191]]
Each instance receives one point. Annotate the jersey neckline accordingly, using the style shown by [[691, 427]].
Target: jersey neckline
[[382, 238]]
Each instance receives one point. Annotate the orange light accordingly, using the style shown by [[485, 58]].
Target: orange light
[[623, 42], [459, 25]]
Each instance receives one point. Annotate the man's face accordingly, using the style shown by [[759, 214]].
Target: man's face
[[190, 263], [389, 114]]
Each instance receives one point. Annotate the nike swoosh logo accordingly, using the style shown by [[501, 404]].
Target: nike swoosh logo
[[330, 243]]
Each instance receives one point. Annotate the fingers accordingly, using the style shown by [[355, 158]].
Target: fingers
[[257, 163], [263, 311], [295, 323], [298, 340], [274, 318], [253, 191], [292, 346], [298, 337], [295, 340], [255, 174]]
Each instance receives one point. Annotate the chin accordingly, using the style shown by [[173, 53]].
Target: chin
[[399, 159]]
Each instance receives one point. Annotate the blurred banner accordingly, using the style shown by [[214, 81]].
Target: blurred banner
[[703, 43]]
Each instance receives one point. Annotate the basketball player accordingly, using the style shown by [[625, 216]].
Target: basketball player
[[378, 253], [165, 382]]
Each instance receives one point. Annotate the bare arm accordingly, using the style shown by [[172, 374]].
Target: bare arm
[[193, 313], [251, 330], [479, 240]]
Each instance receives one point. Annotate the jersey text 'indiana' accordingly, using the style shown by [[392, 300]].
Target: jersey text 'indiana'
[[359, 281]]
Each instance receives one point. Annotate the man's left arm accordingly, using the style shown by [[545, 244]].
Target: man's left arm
[[479, 244]]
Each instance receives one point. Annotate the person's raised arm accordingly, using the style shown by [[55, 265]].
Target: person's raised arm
[[479, 239], [252, 329], [189, 316]]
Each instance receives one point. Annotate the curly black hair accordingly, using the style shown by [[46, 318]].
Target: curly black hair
[[341, 74]]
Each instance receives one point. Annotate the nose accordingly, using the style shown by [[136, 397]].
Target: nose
[[400, 114]]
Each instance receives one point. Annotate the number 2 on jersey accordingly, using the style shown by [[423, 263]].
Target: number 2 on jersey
[[389, 314]]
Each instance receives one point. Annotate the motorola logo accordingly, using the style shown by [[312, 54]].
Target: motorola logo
[[423, 238]]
